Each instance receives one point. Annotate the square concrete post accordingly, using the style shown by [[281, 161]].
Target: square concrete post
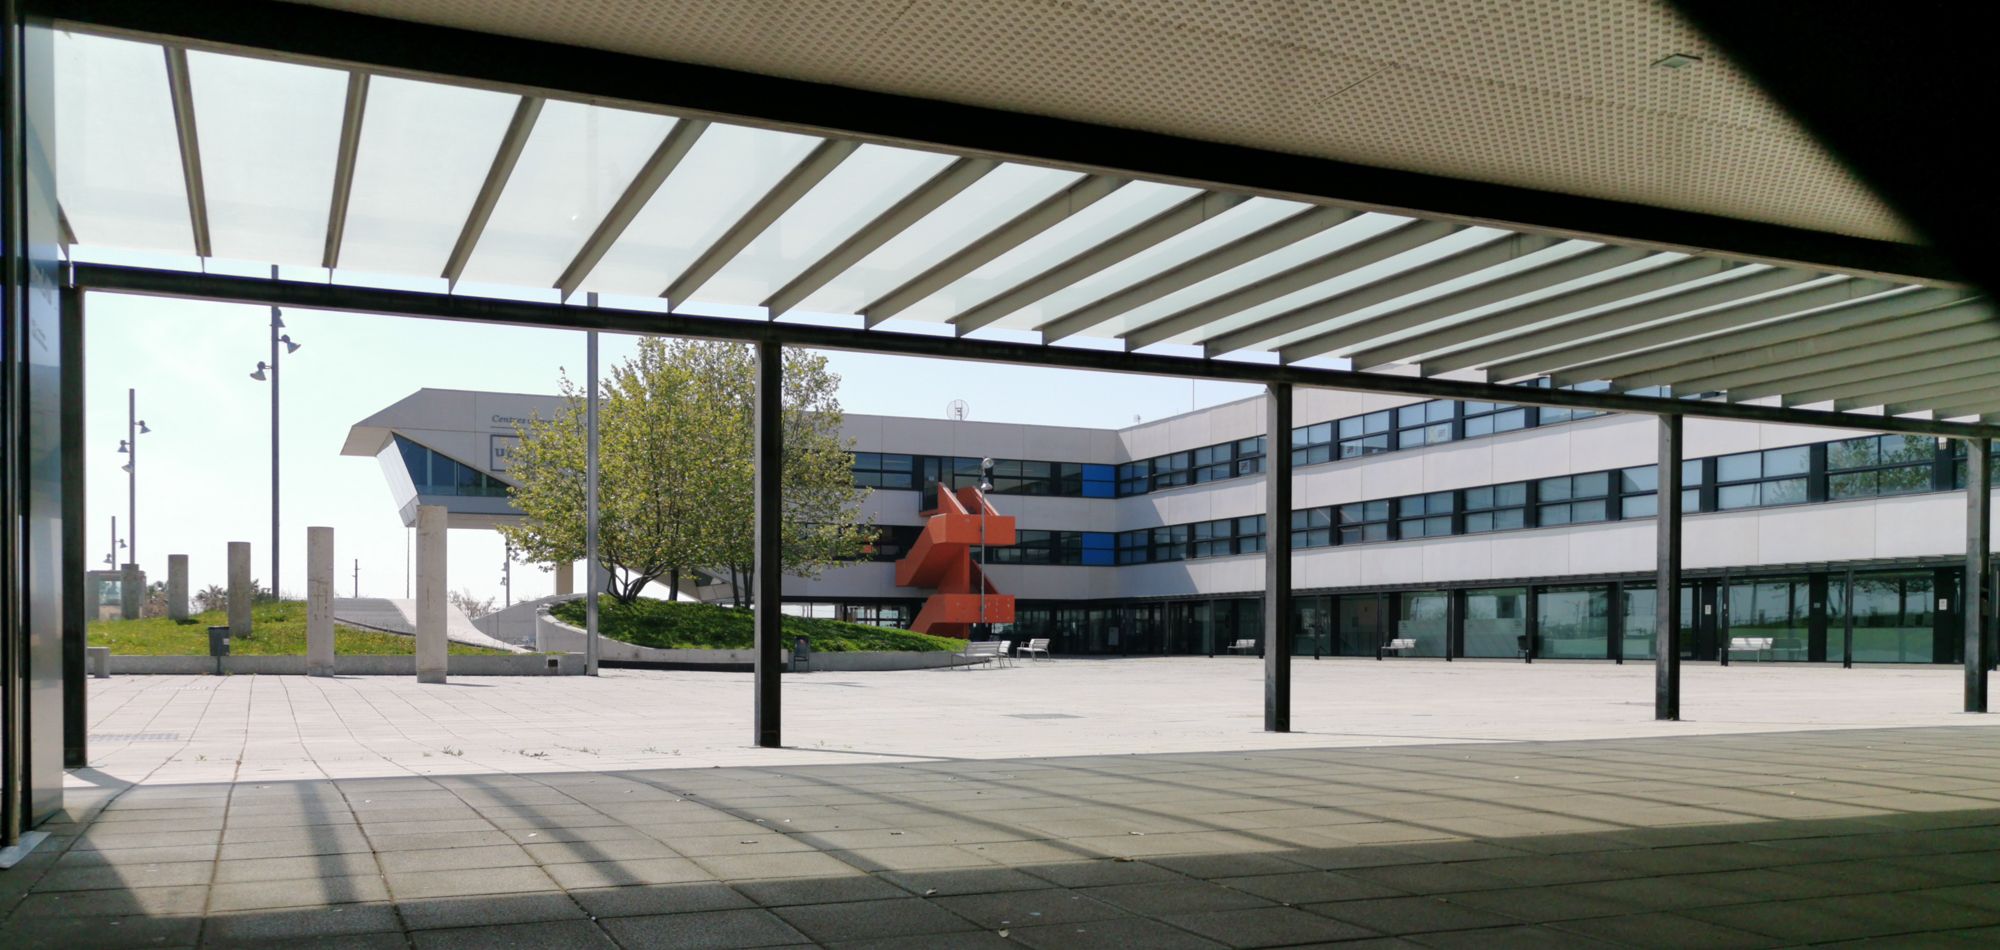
[[1978, 541], [767, 543], [177, 586], [131, 592], [431, 604], [319, 601], [239, 589], [1278, 558], [1667, 592], [565, 577]]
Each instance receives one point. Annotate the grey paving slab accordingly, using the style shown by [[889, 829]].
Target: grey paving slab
[[867, 920], [1114, 932], [542, 935], [654, 900], [444, 912], [720, 929]]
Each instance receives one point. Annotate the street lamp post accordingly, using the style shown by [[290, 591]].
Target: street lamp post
[[277, 337], [985, 485], [129, 447]]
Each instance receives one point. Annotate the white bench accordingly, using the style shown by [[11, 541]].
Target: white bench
[[1033, 646], [1243, 646], [982, 651], [1759, 645], [1396, 646]]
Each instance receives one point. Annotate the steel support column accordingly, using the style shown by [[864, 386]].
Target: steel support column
[[75, 610], [767, 567], [1667, 592], [1277, 558], [1978, 540]]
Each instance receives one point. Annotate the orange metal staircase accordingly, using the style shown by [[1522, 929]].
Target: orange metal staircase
[[941, 559]]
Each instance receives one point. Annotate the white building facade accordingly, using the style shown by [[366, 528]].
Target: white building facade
[[1476, 530]]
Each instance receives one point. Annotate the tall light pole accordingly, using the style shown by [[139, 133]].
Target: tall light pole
[[129, 447], [985, 485], [277, 337]]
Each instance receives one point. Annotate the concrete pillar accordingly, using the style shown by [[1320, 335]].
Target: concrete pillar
[[1667, 575], [1978, 541], [131, 591], [1278, 558], [177, 586], [565, 577], [319, 601], [431, 603], [239, 589]]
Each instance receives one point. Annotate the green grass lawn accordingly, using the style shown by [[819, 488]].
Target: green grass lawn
[[278, 628], [684, 626]]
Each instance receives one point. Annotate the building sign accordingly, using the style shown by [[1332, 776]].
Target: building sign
[[501, 454]]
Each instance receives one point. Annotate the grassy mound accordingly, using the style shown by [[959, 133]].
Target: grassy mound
[[277, 628], [686, 626]]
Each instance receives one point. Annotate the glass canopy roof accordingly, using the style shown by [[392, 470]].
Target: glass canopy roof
[[241, 160]]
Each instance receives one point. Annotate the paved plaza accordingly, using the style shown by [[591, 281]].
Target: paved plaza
[[1068, 803]]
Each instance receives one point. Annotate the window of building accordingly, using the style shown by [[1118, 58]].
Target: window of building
[[1490, 418], [1312, 528], [1312, 444], [1778, 608], [1893, 621], [1496, 622], [1214, 538], [1250, 534], [1135, 478], [1425, 516], [1099, 549], [1213, 463], [1573, 623], [1573, 499], [435, 474], [1135, 547], [1250, 455], [1172, 471], [1364, 435], [1762, 479], [1639, 490], [1093, 481], [892, 541], [1879, 465], [1426, 423], [1364, 521], [884, 470], [1958, 454], [1496, 507], [1550, 415], [1170, 543]]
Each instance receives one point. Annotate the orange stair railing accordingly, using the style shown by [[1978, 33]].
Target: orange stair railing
[[941, 559]]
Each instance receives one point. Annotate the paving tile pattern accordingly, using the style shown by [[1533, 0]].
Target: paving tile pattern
[[1723, 840]]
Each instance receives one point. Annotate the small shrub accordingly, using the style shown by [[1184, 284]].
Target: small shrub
[[672, 625]]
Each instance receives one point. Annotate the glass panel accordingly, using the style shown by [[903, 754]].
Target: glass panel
[[424, 152], [1792, 461], [1776, 608], [1893, 617], [270, 136], [577, 162], [1496, 622], [1360, 624], [1423, 617], [1853, 453], [1641, 620], [1785, 491], [1732, 468], [1573, 623], [118, 165]]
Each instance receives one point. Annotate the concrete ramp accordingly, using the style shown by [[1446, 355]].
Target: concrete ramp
[[399, 615]]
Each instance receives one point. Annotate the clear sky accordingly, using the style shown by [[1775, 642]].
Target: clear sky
[[204, 470]]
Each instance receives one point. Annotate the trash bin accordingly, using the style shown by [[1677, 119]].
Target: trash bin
[[218, 645], [802, 652]]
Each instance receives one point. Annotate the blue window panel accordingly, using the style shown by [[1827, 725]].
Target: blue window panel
[[1099, 539], [1097, 557], [1100, 481]]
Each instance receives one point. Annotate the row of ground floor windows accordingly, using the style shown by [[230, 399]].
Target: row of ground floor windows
[[1907, 616]]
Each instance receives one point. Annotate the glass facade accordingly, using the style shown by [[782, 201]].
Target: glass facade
[[1496, 622], [435, 474], [1641, 622], [1573, 623], [1776, 607], [1424, 616], [1894, 616]]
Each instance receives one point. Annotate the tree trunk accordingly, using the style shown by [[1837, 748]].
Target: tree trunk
[[674, 584]]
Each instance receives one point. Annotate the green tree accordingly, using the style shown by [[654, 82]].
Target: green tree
[[675, 468]]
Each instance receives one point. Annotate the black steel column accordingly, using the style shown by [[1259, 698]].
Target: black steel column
[[75, 613], [1277, 558], [767, 590], [1978, 540], [1667, 589], [1847, 627]]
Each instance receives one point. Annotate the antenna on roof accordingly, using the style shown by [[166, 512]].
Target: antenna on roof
[[956, 410]]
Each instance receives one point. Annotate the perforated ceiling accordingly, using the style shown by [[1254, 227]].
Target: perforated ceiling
[[1560, 95]]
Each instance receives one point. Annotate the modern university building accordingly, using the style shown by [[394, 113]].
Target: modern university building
[[1473, 529]]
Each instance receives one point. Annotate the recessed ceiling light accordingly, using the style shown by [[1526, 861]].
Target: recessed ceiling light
[[1678, 61]]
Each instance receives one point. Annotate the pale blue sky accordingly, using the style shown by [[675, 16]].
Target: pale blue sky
[[204, 471]]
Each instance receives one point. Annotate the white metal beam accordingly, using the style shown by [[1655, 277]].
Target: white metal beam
[[1333, 264], [1493, 325], [1266, 240], [1716, 334], [181, 94], [1142, 237], [947, 184], [1929, 383], [343, 167], [1966, 404], [809, 172], [1768, 371], [661, 164], [504, 159], [1683, 326], [1052, 211]]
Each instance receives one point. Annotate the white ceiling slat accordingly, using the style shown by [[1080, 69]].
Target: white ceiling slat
[[1770, 371], [1135, 240], [1330, 266], [1265, 241], [810, 171], [1732, 330]]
